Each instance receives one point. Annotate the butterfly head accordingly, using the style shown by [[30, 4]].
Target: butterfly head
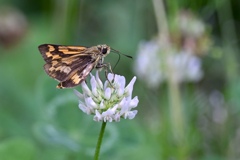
[[104, 49]]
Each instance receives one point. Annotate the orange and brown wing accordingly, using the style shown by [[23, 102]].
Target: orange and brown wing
[[77, 78], [52, 52], [62, 62], [70, 65], [67, 67]]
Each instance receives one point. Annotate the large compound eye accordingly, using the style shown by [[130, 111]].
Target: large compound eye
[[104, 50]]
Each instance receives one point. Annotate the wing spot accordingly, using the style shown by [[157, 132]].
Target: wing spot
[[65, 69], [55, 56], [51, 48], [48, 54], [76, 79], [51, 69]]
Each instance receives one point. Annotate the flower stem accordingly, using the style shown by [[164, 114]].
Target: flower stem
[[228, 33], [176, 115], [176, 109], [99, 142]]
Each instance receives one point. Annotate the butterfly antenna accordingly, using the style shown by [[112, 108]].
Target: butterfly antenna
[[121, 53], [115, 51]]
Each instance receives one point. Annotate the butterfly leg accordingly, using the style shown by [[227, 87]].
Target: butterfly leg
[[107, 67]]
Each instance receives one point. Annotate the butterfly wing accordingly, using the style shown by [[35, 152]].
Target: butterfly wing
[[68, 64], [67, 67], [77, 78], [52, 52]]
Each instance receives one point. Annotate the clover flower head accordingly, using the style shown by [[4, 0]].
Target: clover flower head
[[154, 59], [148, 63], [185, 67], [190, 24], [108, 102]]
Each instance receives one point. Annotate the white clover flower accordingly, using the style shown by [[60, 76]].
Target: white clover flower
[[185, 67], [151, 64], [190, 25], [148, 64], [108, 102]]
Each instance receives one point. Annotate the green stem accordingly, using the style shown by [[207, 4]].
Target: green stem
[[67, 24], [176, 114], [176, 109], [97, 151], [228, 32]]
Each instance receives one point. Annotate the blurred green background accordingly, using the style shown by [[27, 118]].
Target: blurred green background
[[187, 120]]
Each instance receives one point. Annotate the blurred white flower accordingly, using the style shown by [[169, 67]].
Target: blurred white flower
[[185, 67], [108, 102], [148, 64], [190, 25], [151, 64], [194, 34]]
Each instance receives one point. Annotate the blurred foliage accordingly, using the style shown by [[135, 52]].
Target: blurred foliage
[[38, 121]]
